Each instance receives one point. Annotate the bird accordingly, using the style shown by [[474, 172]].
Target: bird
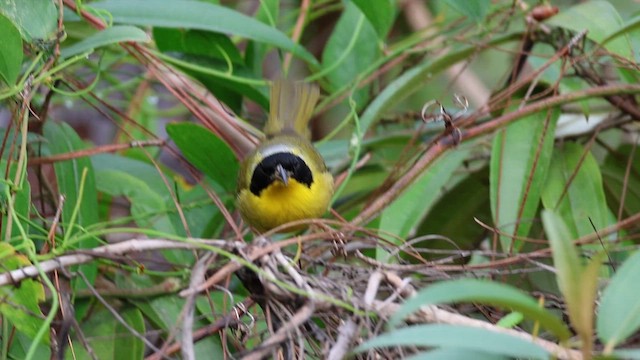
[[285, 178]]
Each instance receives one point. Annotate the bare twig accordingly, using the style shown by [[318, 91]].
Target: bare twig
[[93, 151], [300, 317], [125, 247], [197, 277], [444, 144], [346, 333]]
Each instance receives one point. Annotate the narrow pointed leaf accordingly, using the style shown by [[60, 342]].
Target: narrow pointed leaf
[[190, 14], [520, 158], [483, 292], [455, 336], [619, 310]]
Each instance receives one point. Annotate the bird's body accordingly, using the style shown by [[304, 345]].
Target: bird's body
[[285, 179]]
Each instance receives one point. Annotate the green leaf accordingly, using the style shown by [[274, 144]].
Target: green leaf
[[20, 303], [584, 201], [202, 217], [61, 139], [405, 213], [110, 339], [475, 10], [600, 19], [629, 26], [628, 354], [191, 14], [21, 344], [345, 58], [80, 208], [520, 158], [146, 204], [211, 51], [166, 311], [483, 292], [380, 14], [206, 152], [577, 283], [458, 337], [35, 19], [455, 354], [619, 310], [141, 170], [108, 36], [10, 51], [619, 185], [458, 222]]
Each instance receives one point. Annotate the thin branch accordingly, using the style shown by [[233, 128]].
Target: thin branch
[[121, 248], [444, 143], [299, 318], [93, 151]]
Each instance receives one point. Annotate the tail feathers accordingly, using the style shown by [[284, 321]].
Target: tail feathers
[[292, 105]]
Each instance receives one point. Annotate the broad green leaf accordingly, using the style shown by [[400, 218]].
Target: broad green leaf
[[380, 14], [350, 50], [405, 213], [109, 339], [475, 10], [80, 207], [483, 292], [10, 51], [619, 309], [584, 201], [467, 191], [455, 354], [61, 139], [203, 218], [198, 42], [629, 26], [619, 185], [21, 344], [520, 158], [20, 302], [417, 77], [35, 19], [601, 20], [139, 169], [166, 311], [576, 282], [211, 51], [108, 36], [146, 204], [627, 354], [190, 14], [206, 152], [458, 337]]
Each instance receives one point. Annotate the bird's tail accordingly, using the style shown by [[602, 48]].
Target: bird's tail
[[292, 105]]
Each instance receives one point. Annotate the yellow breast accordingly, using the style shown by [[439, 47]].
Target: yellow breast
[[279, 204]]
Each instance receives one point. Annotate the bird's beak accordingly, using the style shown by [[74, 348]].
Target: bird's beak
[[282, 174]]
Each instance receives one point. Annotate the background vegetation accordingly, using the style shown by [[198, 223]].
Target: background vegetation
[[485, 152]]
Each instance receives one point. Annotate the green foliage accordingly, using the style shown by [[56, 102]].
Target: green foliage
[[10, 51], [526, 194], [619, 308], [458, 337], [207, 152], [520, 159]]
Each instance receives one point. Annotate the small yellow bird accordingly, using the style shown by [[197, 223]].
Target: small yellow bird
[[285, 179]]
